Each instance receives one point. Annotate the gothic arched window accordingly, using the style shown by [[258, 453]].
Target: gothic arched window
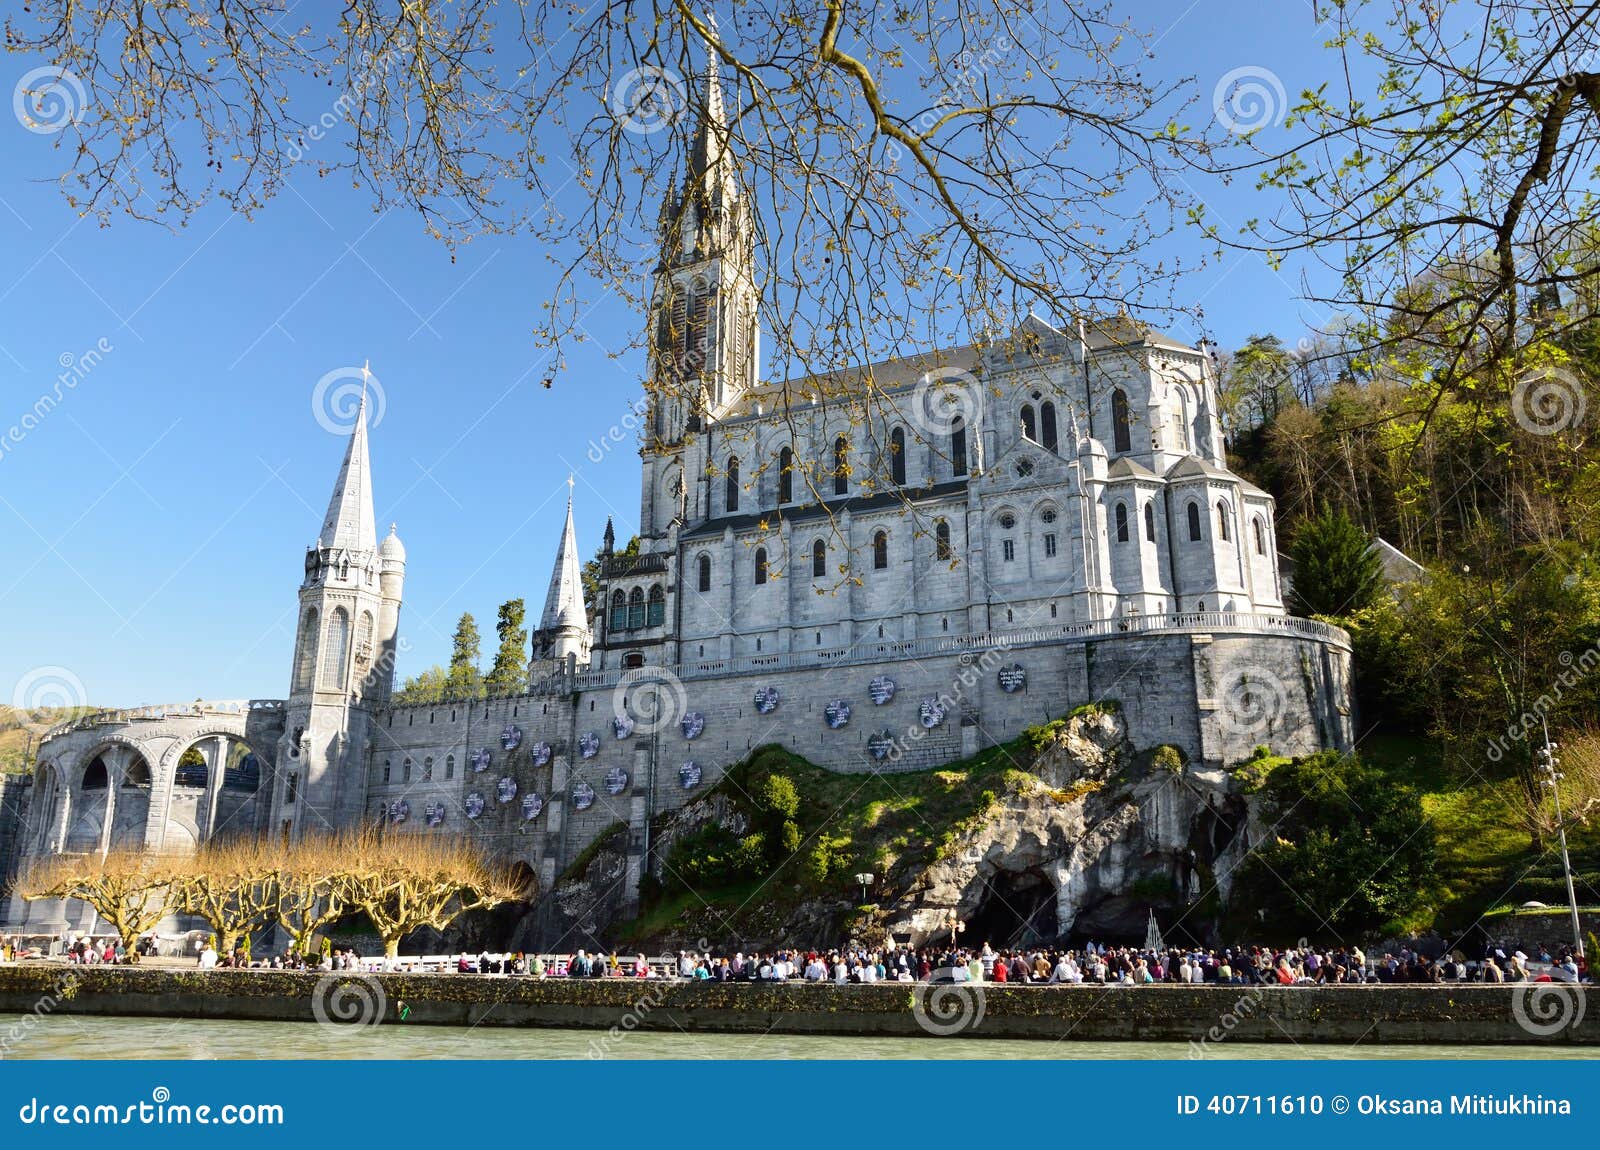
[[1194, 523], [730, 494], [705, 573], [786, 476], [1222, 520], [1122, 523], [1030, 426], [941, 541], [657, 613], [1121, 439], [897, 456], [305, 665], [841, 466], [1150, 522], [619, 611], [1047, 424], [364, 638], [958, 446], [761, 565], [880, 551], [635, 609], [1260, 534], [336, 652], [819, 559]]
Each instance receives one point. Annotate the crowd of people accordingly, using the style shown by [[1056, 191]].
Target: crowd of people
[[1090, 964]]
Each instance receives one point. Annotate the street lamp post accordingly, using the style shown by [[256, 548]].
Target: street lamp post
[[866, 881], [1552, 777]]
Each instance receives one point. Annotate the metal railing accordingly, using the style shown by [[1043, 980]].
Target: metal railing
[[887, 650]]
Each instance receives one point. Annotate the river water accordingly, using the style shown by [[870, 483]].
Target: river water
[[65, 1036]]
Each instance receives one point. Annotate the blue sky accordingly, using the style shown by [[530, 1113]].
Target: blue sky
[[154, 523]]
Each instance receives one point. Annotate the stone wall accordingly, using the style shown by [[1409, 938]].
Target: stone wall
[[1208, 1016], [1214, 686], [1214, 695]]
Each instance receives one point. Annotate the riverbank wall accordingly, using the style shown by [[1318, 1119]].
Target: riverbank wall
[[1208, 1017]]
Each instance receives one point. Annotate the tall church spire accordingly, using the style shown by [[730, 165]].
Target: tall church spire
[[564, 626], [350, 523], [710, 163]]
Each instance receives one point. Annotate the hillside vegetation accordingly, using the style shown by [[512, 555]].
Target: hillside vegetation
[[20, 732]]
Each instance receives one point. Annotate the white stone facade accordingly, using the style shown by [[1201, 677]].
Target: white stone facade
[[1075, 537]]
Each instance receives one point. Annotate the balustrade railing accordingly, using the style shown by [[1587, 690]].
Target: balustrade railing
[[156, 711], [887, 650]]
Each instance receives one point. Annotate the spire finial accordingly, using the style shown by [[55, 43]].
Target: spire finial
[[366, 374]]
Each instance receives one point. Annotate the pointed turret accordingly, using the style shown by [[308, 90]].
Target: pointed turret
[[349, 524], [564, 625], [710, 164], [346, 646]]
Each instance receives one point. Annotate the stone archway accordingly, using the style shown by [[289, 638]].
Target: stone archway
[[214, 788], [108, 787]]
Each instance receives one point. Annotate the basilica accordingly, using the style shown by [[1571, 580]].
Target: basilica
[[819, 561]]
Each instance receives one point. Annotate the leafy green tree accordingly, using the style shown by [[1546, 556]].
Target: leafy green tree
[[1259, 381], [426, 687], [1441, 181], [510, 668], [778, 805], [465, 680], [1349, 851], [1336, 571], [590, 574]]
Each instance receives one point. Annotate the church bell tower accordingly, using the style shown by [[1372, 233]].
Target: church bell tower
[[344, 656], [704, 343]]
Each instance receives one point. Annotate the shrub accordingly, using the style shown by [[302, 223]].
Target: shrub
[[779, 798], [1167, 758], [1352, 851]]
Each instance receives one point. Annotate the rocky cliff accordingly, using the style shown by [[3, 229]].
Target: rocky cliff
[[1074, 833], [1085, 844]]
